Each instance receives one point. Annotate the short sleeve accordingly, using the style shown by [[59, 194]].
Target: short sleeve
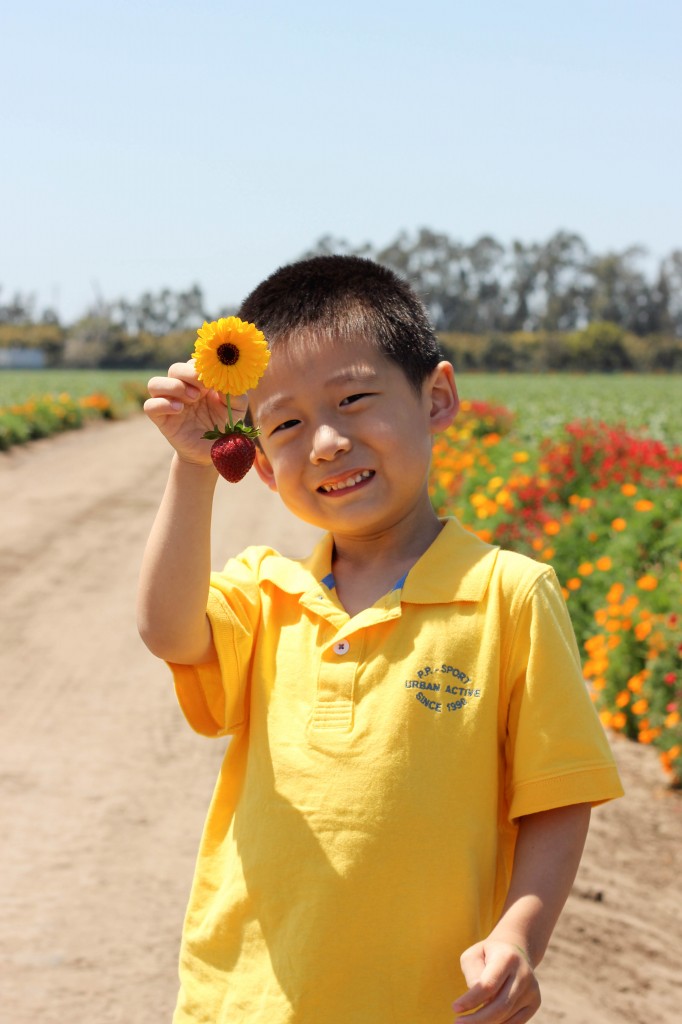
[[556, 750], [214, 696]]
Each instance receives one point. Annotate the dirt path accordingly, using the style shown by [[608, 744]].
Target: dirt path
[[103, 789]]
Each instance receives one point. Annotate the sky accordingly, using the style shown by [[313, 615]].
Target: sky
[[153, 143]]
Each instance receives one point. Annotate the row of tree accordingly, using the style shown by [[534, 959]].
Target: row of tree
[[557, 285], [524, 306]]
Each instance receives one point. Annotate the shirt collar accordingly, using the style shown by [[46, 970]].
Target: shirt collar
[[456, 567]]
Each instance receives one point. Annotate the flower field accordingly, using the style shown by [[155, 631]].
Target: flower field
[[600, 499], [37, 404]]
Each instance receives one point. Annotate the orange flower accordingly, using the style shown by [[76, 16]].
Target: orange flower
[[520, 457], [574, 584], [604, 563], [628, 490], [619, 525], [642, 630], [647, 582], [623, 699], [640, 706], [672, 719], [618, 720], [643, 505], [585, 569], [552, 527]]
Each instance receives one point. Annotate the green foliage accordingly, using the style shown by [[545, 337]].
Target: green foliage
[[601, 347], [36, 404]]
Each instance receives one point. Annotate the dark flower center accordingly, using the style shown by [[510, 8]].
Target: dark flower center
[[228, 354]]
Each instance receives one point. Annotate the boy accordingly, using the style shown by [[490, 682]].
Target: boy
[[413, 753]]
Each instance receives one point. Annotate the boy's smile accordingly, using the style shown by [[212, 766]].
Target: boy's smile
[[348, 482], [346, 438]]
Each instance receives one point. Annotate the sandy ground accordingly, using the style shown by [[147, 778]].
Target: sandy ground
[[103, 789]]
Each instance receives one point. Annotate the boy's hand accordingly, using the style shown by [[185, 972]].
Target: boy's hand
[[501, 983], [183, 410]]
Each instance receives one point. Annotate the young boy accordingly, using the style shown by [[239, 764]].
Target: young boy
[[406, 794]]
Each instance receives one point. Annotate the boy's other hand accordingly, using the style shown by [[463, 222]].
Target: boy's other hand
[[503, 988], [183, 410]]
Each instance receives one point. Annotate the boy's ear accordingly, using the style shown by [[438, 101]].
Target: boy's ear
[[264, 469], [443, 397]]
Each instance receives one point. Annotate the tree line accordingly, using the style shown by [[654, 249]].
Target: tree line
[[536, 305], [557, 285]]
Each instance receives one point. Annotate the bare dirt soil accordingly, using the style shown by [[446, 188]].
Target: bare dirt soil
[[103, 788]]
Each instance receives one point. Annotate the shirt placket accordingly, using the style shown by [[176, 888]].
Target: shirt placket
[[340, 664]]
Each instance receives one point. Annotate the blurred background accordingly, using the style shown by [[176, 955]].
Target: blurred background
[[518, 162]]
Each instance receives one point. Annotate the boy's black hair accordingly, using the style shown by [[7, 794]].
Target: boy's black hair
[[343, 297]]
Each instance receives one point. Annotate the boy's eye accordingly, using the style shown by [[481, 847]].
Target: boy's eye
[[354, 398], [284, 426]]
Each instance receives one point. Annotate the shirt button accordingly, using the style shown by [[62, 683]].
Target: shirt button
[[342, 647]]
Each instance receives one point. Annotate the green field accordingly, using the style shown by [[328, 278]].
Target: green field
[[652, 403], [541, 401], [19, 385]]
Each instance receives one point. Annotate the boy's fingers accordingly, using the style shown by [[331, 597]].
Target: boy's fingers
[[157, 408], [506, 990], [172, 387]]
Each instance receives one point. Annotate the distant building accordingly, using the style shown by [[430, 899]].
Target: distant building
[[22, 359]]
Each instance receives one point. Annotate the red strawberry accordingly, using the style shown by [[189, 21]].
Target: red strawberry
[[233, 450]]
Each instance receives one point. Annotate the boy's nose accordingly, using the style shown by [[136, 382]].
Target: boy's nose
[[327, 444]]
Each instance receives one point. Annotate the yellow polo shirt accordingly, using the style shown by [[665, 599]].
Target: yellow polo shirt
[[362, 829]]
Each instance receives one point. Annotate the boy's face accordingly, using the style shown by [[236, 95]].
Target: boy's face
[[346, 439]]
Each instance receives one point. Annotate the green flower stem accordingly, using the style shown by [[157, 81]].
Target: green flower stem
[[229, 411]]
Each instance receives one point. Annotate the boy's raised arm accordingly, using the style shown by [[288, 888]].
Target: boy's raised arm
[[174, 579], [500, 969]]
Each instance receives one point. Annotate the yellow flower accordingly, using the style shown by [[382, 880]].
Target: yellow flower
[[230, 355]]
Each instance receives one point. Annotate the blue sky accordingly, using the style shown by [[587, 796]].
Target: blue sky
[[155, 143]]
